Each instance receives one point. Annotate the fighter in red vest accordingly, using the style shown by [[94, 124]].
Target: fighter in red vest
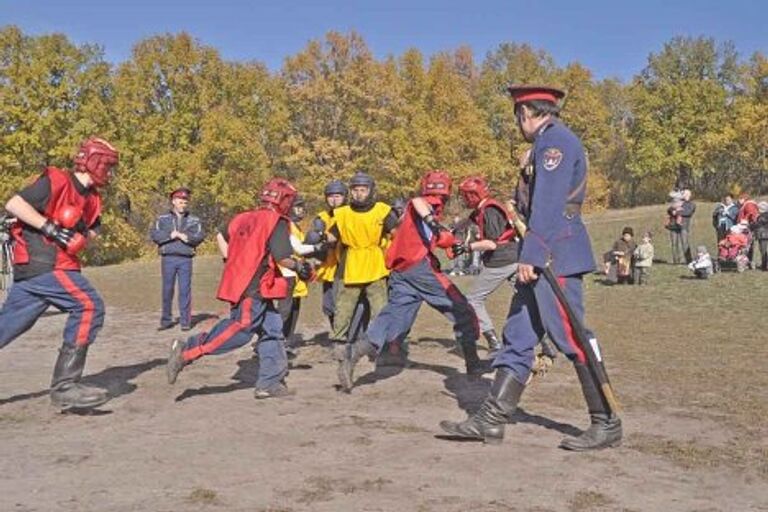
[[498, 241], [58, 214], [253, 244], [415, 278]]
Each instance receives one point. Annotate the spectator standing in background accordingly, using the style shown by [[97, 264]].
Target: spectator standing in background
[[748, 214], [177, 234], [760, 230]]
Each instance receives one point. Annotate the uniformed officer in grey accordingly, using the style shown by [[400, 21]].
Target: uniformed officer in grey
[[177, 234], [550, 199]]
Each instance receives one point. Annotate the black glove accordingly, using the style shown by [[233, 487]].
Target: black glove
[[303, 270], [62, 236], [460, 248]]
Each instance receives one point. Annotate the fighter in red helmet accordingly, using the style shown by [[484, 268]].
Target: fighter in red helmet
[[415, 278], [57, 215], [254, 245], [498, 241]]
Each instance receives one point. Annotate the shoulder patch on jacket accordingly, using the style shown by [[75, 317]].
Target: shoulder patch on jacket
[[552, 158]]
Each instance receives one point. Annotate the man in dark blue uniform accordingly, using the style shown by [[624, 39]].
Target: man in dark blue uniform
[[550, 195], [176, 234]]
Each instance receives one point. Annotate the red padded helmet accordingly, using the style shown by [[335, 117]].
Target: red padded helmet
[[279, 193], [98, 158], [473, 190], [436, 183]]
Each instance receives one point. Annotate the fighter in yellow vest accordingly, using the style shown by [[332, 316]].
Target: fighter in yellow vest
[[290, 306], [327, 271], [361, 229]]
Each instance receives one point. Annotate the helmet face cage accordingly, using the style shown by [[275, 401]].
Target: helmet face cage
[[98, 158], [336, 187], [280, 193], [361, 179], [473, 190], [436, 183]]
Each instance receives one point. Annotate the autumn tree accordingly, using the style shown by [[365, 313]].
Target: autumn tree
[[52, 95]]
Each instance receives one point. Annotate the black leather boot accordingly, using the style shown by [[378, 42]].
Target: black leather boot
[[66, 390], [493, 340], [487, 424], [605, 428], [472, 361], [359, 349]]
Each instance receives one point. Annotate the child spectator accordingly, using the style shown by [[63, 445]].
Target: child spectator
[[621, 256], [702, 266], [736, 240], [643, 259]]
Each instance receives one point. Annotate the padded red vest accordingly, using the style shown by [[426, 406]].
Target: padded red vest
[[63, 194], [408, 247], [478, 217], [249, 233]]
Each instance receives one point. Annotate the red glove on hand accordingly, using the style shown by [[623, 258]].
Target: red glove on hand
[[68, 217], [69, 240], [76, 244], [445, 240]]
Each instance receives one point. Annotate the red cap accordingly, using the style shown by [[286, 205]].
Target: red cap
[[521, 93], [182, 193]]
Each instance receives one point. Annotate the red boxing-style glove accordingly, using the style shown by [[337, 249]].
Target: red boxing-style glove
[[445, 240], [76, 244], [69, 216]]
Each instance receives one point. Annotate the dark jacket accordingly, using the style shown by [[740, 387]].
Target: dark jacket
[[186, 223], [559, 181], [760, 226], [686, 212]]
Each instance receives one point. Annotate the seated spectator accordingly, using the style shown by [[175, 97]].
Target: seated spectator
[[736, 240], [702, 266]]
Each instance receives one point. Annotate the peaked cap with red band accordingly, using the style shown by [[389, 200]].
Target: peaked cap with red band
[[181, 193], [523, 93]]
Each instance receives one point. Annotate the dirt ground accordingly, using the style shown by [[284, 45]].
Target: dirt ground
[[692, 384]]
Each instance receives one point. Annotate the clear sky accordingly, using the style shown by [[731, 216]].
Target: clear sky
[[612, 38]]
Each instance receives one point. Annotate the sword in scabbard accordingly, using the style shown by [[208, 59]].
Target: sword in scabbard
[[586, 343]]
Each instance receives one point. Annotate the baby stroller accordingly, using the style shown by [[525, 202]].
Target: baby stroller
[[732, 250]]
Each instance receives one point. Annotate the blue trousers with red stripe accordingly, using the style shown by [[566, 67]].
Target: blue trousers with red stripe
[[535, 311], [66, 290], [251, 316], [407, 291]]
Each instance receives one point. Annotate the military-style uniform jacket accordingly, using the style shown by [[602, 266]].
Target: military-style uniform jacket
[[550, 198]]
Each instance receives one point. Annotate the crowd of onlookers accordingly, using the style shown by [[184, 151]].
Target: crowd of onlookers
[[739, 226]]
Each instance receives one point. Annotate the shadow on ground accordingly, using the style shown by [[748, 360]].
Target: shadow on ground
[[245, 377], [115, 379]]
